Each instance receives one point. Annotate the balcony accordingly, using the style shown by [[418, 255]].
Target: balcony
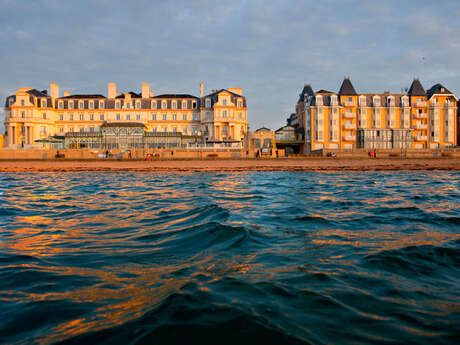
[[420, 115], [349, 115], [349, 137], [420, 138], [420, 104], [435, 139], [349, 104], [349, 126], [420, 126]]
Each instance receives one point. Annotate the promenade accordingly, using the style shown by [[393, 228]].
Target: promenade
[[231, 165]]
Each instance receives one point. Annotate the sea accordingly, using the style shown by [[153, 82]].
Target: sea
[[230, 258]]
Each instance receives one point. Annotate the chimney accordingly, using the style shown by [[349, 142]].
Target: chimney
[[54, 90], [201, 89], [145, 90], [66, 93], [152, 93], [111, 90]]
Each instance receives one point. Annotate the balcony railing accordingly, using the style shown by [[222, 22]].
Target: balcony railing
[[420, 115], [348, 103], [349, 115], [349, 137], [349, 126], [435, 139], [420, 104]]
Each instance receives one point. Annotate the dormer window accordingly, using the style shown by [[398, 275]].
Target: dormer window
[[44, 103], [61, 105], [163, 105], [184, 105], [117, 105], [376, 101], [154, 104], [81, 105], [128, 105], [138, 105], [319, 100], [174, 105], [91, 105], [240, 104], [70, 105], [194, 105], [224, 102], [101, 105], [208, 103], [362, 101]]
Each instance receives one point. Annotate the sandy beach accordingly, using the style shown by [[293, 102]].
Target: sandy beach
[[331, 164]]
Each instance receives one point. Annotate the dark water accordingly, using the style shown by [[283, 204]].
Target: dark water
[[260, 258]]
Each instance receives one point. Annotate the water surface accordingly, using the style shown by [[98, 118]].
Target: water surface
[[272, 257]]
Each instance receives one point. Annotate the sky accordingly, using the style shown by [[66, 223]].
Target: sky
[[269, 48]]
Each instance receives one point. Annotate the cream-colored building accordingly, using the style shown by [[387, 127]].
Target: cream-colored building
[[346, 119], [31, 115]]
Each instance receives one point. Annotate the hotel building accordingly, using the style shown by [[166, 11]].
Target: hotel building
[[32, 116], [346, 119]]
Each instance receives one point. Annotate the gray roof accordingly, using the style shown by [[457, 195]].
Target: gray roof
[[36, 93], [439, 89], [416, 89], [347, 88], [82, 96], [123, 124]]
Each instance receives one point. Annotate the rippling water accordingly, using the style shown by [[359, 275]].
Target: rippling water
[[260, 257]]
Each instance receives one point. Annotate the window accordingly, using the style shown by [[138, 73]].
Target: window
[[101, 105], [23, 114], [118, 117], [165, 130], [155, 130], [101, 117], [154, 104], [174, 130], [91, 129], [82, 129], [82, 117], [174, 105], [335, 111], [117, 105], [195, 117], [138, 117], [184, 105], [208, 103], [224, 102], [184, 117], [61, 105], [44, 104], [61, 117], [91, 105], [163, 105], [44, 116], [154, 117], [185, 130], [70, 105], [164, 117], [240, 104], [174, 117], [71, 117], [208, 115], [91, 117], [82, 105], [22, 102], [128, 117], [128, 105], [194, 105], [239, 115], [224, 114], [138, 105], [61, 130]]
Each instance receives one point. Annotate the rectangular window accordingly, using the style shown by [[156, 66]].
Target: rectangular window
[[44, 116], [128, 105], [163, 105], [155, 130], [44, 104], [91, 105], [224, 114], [61, 117], [195, 117], [61, 105], [81, 105], [101, 105], [224, 102], [184, 105], [61, 130], [174, 130], [174, 105], [154, 117], [239, 115], [101, 117], [138, 117], [164, 117], [118, 117], [117, 105], [208, 103], [184, 117], [138, 105], [165, 130], [71, 117], [174, 117], [70, 105], [91, 117], [82, 117], [128, 117], [91, 129]]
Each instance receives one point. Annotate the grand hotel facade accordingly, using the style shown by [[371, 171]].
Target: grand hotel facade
[[32, 116], [346, 119]]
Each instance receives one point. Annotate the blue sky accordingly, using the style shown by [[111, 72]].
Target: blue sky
[[269, 48]]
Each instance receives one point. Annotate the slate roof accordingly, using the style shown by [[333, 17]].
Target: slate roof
[[438, 89], [263, 129], [36, 93], [123, 124], [416, 89], [306, 90], [83, 96], [171, 95], [347, 88], [133, 95]]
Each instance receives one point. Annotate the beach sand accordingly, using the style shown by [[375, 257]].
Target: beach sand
[[310, 164]]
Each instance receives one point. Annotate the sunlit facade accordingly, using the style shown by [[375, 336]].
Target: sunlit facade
[[417, 119], [31, 115]]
